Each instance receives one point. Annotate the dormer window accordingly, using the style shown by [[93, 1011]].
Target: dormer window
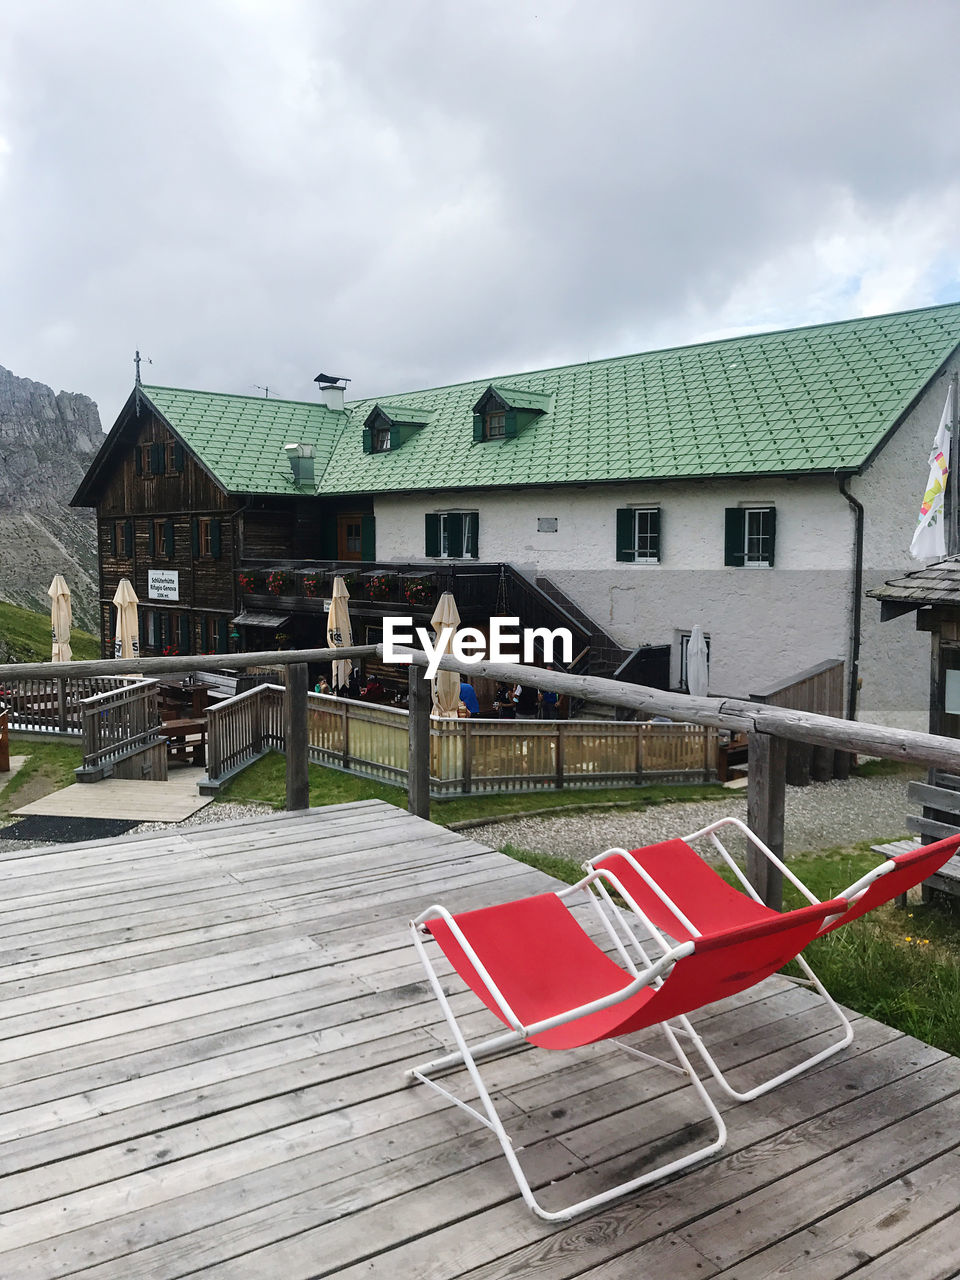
[[502, 412], [387, 426]]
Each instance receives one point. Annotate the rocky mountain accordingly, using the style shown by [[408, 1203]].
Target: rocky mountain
[[47, 441]]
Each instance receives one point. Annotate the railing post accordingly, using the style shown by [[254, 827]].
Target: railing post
[[766, 799], [62, 703], [418, 762], [467, 757], [4, 744], [295, 733]]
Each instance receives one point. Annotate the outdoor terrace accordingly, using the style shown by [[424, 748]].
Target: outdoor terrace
[[204, 1033]]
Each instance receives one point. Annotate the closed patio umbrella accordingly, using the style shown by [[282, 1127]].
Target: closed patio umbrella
[[127, 643], [339, 635], [446, 684], [698, 673], [61, 619]]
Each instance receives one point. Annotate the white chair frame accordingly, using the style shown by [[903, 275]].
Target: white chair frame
[[665, 944], [466, 1055]]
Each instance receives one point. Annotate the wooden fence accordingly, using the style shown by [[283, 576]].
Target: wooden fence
[[122, 734], [819, 689], [241, 729], [43, 704], [466, 756]]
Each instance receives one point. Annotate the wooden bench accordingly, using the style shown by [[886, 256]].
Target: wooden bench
[[186, 733]]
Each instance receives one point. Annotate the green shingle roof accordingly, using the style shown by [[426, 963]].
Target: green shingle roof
[[820, 398]]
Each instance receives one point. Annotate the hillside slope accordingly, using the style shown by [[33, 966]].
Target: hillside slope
[[25, 637], [47, 441]]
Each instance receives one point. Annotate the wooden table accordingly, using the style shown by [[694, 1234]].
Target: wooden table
[[177, 733]]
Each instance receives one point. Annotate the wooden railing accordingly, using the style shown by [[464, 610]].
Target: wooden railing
[[466, 756], [819, 689], [242, 728], [119, 726], [768, 728], [45, 704]]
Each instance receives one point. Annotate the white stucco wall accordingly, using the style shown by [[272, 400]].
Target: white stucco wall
[[764, 624]]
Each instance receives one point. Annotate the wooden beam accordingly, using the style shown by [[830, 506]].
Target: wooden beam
[[418, 762], [295, 733], [766, 799]]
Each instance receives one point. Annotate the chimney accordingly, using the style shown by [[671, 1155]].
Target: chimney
[[300, 457], [332, 388]]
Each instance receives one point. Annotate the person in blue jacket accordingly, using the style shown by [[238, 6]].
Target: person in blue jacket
[[468, 696]]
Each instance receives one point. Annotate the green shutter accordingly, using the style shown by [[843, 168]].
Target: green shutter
[[655, 529], [472, 526], [152, 538], [215, 537], [222, 635], [113, 537], [183, 633], [368, 538], [163, 628], [735, 519], [328, 538], [178, 457], [432, 534], [157, 459], [510, 428], [477, 426], [128, 539], [195, 537], [168, 539], [454, 535], [367, 440], [625, 526], [138, 460]]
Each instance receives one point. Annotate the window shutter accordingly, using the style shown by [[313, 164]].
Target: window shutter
[[772, 528], [734, 534], [157, 459], [178, 457], [655, 528], [163, 628], [152, 538], [625, 527], [222, 635], [472, 527], [113, 537], [128, 539], [168, 542], [368, 537], [431, 540], [455, 535], [138, 460], [195, 537], [328, 538], [478, 426], [215, 537], [183, 633], [510, 428], [367, 440]]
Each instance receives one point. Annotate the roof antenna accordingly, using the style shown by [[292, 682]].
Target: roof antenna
[[136, 364], [265, 390]]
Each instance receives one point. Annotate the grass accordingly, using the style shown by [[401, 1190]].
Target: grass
[[900, 967], [264, 782], [26, 636], [49, 767]]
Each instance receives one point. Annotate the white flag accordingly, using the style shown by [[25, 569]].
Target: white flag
[[929, 540]]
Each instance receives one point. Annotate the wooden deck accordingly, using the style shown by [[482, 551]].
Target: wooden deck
[[202, 1046]]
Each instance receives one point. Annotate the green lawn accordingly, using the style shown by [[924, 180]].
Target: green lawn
[[51, 762], [264, 782], [26, 636]]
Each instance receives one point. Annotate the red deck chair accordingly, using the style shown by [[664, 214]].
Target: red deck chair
[[540, 973], [681, 897]]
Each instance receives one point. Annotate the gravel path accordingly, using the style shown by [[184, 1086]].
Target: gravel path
[[817, 817], [209, 813]]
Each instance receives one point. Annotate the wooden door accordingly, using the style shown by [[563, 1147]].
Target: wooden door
[[349, 536]]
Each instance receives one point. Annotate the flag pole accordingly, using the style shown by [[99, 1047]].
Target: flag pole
[[953, 533]]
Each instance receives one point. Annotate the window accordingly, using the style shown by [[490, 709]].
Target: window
[[638, 535], [207, 537], [121, 539], [452, 535], [381, 440], [174, 456], [214, 634], [495, 425], [750, 536], [161, 540]]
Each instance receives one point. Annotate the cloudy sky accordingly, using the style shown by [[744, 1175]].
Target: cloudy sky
[[412, 192]]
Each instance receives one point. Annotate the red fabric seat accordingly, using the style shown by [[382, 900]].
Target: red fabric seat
[[908, 869]]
